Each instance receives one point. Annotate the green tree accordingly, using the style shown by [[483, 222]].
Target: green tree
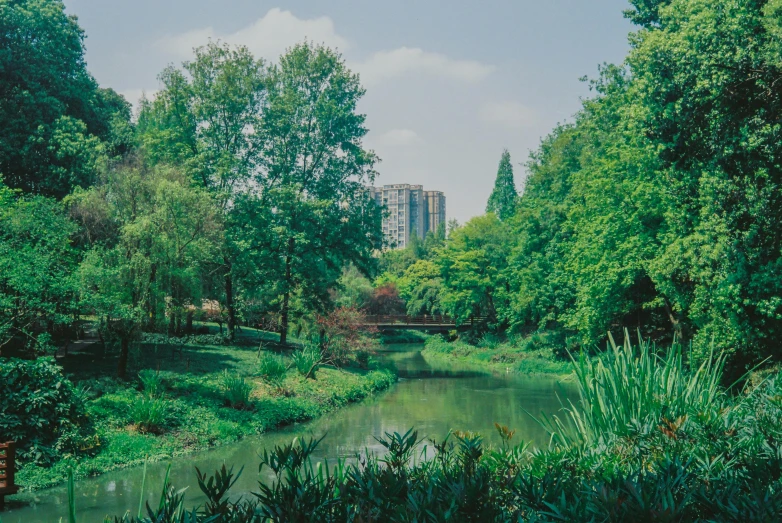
[[36, 267], [208, 121], [317, 215], [502, 201], [153, 270], [54, 117], [473, 270]]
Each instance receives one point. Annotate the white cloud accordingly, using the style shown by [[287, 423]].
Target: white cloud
[[404, 60], [399, 138], [267, 37], [510, 114]]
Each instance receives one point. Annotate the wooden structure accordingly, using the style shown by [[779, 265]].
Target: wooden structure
[[422, 322], [7, 469]]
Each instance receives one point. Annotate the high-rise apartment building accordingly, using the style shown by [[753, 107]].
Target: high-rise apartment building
[[435, 209], [409, 208]]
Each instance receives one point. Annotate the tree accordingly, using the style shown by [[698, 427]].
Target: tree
[[208, 121], [154, 268], [472, 267], [502, 201], [36, 266], [54, 117], [317, 214]]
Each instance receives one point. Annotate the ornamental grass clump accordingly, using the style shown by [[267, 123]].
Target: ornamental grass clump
[[272, 369], [151, 382], [307, 361], [149, 414], [631, 387], [236, 391]]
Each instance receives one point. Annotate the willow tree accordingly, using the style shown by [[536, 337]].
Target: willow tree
[[317, 215]]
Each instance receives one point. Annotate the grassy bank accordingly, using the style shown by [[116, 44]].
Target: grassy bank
[[191, 409], [649, 440], [501, 356]]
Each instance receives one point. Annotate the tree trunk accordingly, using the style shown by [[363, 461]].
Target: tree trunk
[[287, 295], [229, 299], [189, 325], [122, 368]]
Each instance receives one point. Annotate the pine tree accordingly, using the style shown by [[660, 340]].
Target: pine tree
[[502, 201]]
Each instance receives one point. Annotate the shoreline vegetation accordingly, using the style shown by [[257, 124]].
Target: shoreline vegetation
[[649, 440], [517, 355], [184, 401]]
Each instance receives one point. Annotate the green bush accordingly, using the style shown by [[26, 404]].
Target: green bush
[[272, 369], [40, 409], [236, 391], [149, 414], [306, 360], [151, 382]]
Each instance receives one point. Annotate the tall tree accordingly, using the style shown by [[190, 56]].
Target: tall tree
[[53, 116], [502, 201], [208, 121], [318, 216]]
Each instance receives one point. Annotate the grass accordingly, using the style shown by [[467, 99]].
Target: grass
[[185, 404], [500, 356]]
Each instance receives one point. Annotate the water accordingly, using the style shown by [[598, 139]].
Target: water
[[432, 396]]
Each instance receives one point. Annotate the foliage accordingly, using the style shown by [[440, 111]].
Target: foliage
[[151, 382], [314, 169], [149, 413], [472, 266], [37, 294], [307, 361], [629, 388], [385, 299], [58, 125], [272, 369], [345, 334], [236, 390], [41, 410], [502, 201]]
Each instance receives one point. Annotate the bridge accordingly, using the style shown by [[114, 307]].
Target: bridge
[[420, 322]]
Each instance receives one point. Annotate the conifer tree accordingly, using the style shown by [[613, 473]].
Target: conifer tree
[[502, 201]]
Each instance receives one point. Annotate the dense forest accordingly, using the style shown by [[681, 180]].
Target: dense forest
[[240, 184], [656, 208]]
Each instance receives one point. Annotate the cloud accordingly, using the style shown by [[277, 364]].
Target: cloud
[[405, 60], [509, 114], [267, 37], [398, 138]]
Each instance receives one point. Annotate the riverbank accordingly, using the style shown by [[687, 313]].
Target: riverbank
[[191, 411], [500, 356]]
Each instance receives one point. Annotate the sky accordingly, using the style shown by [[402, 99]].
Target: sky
[[450, 84]]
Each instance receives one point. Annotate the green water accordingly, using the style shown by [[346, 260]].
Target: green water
[[433, 396]]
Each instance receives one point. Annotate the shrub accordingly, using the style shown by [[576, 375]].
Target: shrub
[[40, 409], [236, 391], [151, 382], [272, 369], [306, 361], [149, 414]]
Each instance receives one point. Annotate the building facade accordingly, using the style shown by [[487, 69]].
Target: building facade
[[409, 209]]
